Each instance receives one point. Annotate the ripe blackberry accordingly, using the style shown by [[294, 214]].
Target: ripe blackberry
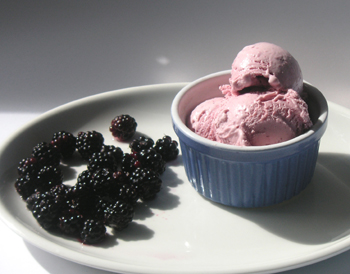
[[26, 186], [129, 162], [29, 166], [100, 160], [93, 232], [115, 152], [102, 179], [85, 203], [151, 159], [46, 154], [64, 142], [46, 211], [123, 127], [84, 183], [119, 215], [89, 142], [49, 176], [167, 147], [122, 189], [147, 182], [141, 143], [71, 222]]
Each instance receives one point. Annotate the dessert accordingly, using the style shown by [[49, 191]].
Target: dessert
[[262, 105]]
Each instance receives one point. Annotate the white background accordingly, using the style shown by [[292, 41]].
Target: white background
[[53, 52]]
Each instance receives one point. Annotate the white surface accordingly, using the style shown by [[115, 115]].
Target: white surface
[[53, 52], [181, 231]]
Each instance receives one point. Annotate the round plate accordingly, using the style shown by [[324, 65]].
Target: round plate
[[180, 231]]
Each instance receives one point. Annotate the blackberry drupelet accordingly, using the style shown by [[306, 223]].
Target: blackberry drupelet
[[93, 232], [64, 142], [141, 143], [151, 159], [167, 147], [146, 182], [46, 154], [89, 142], [123, 127], [119, 215]]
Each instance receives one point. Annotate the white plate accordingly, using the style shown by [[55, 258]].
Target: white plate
[[181, 232]]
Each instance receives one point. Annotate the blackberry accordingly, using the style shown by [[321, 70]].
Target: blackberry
[[26, 186], [123, 127], [119, 215], [46, 211], [115, 152], [151, 159], [122, 189], [141, 143], [84, 183], [71, 222], [100, 160], [64, 142], [167, 147], [129, 162], [89, 142], [85, 203], [49, 176], [146, 182], [46, 154], [102, 179], [29, 166], [93, 232]]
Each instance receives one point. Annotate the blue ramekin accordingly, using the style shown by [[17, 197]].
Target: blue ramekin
[[254, 176]]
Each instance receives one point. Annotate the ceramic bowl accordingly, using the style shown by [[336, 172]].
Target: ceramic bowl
[[253, 176]]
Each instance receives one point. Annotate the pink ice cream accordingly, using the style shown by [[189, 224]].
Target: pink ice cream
[[262, 104], [266, 66]]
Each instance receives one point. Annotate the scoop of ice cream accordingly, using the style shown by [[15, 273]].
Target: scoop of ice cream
[[265, 66], [252, 119]]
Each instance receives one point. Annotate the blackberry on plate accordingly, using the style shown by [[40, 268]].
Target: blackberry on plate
[[102, 179], [130, 162], [64, 142], [123, 127], [147, 182], [123, 189], [46, 211], [93, 232], [71, 222], [29, 166], [119, 215], [167, 147], [89, 142], [49, 176], [26, 186], [100, 160], [115, 152], [141, 143], [84, 183], [151, 159], [46, 154]]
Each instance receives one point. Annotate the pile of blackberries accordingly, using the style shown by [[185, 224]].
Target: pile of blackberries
[[105, 193]]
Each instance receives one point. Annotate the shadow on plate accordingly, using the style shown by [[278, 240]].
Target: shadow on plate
[[320, 214]]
